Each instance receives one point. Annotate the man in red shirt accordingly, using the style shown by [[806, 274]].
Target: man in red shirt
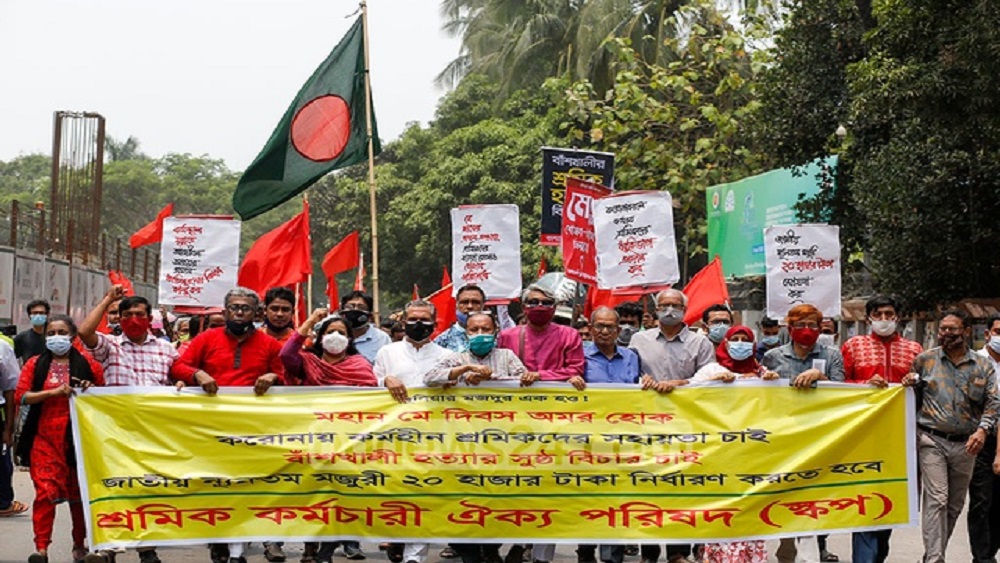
[[236, 355], [878, 359]]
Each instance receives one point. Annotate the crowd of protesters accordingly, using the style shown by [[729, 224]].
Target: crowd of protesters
[[124, 341]]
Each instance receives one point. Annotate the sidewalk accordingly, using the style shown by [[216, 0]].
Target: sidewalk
[[16, 542]]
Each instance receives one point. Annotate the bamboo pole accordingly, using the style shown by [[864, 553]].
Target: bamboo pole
[[371, 165]]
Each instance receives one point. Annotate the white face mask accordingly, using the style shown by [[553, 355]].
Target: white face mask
[[826, 340], [883, 328], [994, 344], [335, 343]]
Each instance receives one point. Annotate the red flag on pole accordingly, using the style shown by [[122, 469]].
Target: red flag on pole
[[542, 268], [445, 277], [118, 278], [706, 288], [153, 231], [444, 303], [282, 257], [342, 257]]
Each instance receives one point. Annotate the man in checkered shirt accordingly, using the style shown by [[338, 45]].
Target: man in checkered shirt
[[133, 358]]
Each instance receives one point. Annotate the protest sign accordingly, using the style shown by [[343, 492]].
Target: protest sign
[[635, 240], [803, 266], [486, 249], [578, 248], [199, 260], [611, 464], [559, 165], [739, 212]]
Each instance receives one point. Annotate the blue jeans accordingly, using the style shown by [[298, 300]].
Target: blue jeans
[[870, 547]]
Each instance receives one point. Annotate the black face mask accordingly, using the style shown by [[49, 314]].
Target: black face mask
[[239, 328], [418, 331], [355, 318]]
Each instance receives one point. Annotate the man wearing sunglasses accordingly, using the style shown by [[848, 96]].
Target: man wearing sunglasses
[[237, 355]]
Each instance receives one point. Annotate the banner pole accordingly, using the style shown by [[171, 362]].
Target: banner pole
[[371, 165]]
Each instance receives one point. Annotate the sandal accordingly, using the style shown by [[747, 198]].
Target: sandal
[[828, 557], [16, 507]]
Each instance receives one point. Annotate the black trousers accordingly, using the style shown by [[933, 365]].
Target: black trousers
[[984, 506], [609, 553], [651, 552]]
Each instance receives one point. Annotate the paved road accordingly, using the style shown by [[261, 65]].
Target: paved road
[[16, 542]]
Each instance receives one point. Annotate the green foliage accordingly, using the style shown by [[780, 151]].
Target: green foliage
[[26, 179], [675, 127], [915, 82]]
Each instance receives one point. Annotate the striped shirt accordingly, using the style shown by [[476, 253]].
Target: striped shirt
[[127, 363], [503, 362]]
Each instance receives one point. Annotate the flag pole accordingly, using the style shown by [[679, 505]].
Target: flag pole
[[309, 280], [371, 163]]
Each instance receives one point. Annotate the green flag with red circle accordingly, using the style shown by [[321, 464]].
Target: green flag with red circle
[[323, 129]]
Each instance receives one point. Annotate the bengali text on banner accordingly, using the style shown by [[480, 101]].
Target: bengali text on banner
[[611, 464]]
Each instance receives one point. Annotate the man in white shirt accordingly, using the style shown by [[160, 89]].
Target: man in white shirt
[[10, 371], [403, 364]]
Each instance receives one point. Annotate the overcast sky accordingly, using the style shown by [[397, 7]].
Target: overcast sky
[[202, 76]]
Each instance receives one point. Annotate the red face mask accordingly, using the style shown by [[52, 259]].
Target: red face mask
[[134, 327], [540, 315], [805, 336]]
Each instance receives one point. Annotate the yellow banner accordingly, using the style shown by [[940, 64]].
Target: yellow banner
[[745, 460]]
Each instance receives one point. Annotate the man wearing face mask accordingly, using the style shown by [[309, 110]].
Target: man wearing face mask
[[770, 337], [630, 315], [983, 518], [133, 358], [469, 299], [401, 365], [279, 308], [31, 342], [113, 320], [356, 308], [878, 359], [828, 333], [718, 319], [957, 394], [237, 355]]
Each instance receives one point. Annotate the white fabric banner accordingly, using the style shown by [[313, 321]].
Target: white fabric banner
[[803, 266], [199, 260], [486, 249], [635, 240]]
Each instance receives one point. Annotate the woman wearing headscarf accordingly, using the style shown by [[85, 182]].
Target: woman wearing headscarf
[[734, 358], [331, 359], [46, 444]]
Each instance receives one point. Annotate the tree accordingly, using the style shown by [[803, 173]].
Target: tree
[[675, 127]]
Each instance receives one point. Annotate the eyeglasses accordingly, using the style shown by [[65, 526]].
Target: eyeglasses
[[539, 302], [355, 307], [950, 330], [236, 309], [603, 328], [804, 324]]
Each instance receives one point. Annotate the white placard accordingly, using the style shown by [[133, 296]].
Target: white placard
[[28, 285], [79, 292], [486, 249], [635, 240], [199, 261], [803, 266], [57, 285], [6, 285]]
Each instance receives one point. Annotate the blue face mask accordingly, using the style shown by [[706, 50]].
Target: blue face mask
[[38, 320], [718, 331], [482, 344], [740, 350], [770, 340], [462, 318], [58, 344]]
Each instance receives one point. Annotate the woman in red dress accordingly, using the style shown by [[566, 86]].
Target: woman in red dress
[[46, 383]]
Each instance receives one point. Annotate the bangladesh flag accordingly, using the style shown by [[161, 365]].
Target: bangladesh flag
[[323, 130]]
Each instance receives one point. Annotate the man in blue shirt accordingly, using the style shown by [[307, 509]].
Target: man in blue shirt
[[607, 362], [469, 299]]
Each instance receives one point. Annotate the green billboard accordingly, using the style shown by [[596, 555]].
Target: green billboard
[[739, 212]]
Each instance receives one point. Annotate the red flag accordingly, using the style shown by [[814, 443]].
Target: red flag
[[542, 268], [359, 280], [445, 277], [282, 257], [706, 288], [153, 231], [578, 250], [301, 312], [118, 278], [416, 292], [444, 303], [607, 298], [342, 257]]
